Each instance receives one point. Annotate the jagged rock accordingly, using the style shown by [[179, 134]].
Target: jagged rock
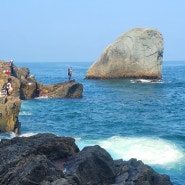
[[137, 53], [21, 81], [30, 160], [93, 165], [136, 172], [29, 88], [46, 159]]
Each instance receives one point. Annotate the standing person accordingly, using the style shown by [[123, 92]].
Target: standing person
[[70, 73], [11, 67]]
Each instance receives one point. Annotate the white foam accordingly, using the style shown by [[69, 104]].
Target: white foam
[[8, 135], [145, 81], [42, 97], [151, 151], [27, 134], [12, 135], [25, 113]]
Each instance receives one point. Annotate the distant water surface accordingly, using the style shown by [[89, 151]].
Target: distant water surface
[[142, 120]]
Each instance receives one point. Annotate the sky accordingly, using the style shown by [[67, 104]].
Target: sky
[[79, 30]]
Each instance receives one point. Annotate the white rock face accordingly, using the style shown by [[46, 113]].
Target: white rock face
[[137, 53]]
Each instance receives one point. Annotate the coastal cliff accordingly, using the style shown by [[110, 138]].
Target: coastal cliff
[[9, 112], [47, 159], [26, 87], [137, 53]]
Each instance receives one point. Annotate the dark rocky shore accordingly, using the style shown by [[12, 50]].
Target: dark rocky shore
[[46, 159]]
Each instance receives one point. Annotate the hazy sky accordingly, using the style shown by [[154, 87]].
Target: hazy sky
[[79, 30]]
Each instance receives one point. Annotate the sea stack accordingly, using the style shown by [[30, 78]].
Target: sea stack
[[137, 53]]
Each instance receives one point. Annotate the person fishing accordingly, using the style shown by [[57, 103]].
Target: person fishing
[[70, 73], [11, 67]]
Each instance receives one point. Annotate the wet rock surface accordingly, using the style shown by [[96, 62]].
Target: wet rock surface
[[47, 159]]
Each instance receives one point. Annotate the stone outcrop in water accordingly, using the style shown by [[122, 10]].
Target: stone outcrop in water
[[137, 53], [70, 89], [46, 159], [26, 87]]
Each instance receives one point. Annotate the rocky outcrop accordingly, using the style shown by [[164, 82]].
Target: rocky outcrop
[[70, 89], [31, 160], [9, 111], [46, 159], [135, 172], [137, 53], [92, 165], [26, 87], [10, 106]]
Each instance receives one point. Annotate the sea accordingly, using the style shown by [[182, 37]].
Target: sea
[[129, 118]]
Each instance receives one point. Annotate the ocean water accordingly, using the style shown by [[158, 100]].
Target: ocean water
[[129, 118]]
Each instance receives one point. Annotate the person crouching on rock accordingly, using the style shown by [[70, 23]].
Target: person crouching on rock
[[9, 86]]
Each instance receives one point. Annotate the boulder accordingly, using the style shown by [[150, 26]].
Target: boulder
[[29, 88], [93, 165], [47, 159], [70, 89], [137, 53], [136, 172]]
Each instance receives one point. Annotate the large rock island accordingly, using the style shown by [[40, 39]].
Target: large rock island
[[26, 87], [137, 53], [46, 159]]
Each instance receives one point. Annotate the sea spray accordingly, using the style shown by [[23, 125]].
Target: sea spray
[[152, 151]]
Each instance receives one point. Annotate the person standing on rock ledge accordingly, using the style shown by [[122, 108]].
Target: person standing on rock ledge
[[69, 73], [11, 67]]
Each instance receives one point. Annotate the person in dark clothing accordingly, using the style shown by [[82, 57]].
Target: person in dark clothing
[[11, 67], [70, 73]]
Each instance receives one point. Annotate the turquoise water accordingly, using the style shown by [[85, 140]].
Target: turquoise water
[[142, 120]]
